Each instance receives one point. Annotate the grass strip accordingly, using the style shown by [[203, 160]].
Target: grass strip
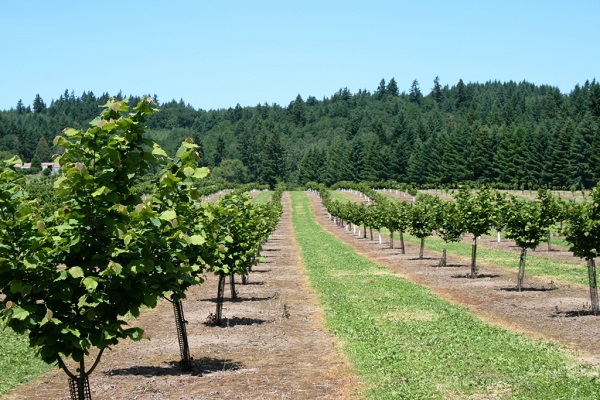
[[407, 343], [18, 362], [263, 197]]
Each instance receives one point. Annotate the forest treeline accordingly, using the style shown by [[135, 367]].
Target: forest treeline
[[507, 134]]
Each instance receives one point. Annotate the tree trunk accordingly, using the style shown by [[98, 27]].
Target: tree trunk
[[184, 348], [499, 239], [364, 231], [371, 231], [422, 248], [79, 388], [591, 263], [474, 258], [521, 268], [391, 239], [442, 262], [232, 285], [220, 291], [549, 240], [379, 237], [402, 242]]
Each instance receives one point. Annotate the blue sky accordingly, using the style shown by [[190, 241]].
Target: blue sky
[[216, 54]]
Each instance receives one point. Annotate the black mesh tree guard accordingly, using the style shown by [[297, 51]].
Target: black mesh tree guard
[[184, 348]]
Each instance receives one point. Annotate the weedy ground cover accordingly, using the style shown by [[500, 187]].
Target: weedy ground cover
[[407, 343], [18, 362]]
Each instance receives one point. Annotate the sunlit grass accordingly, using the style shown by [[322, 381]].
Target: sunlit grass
[[18, 362]]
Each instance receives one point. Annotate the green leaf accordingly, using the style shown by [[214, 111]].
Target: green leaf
[[90, 283], [19, 313], [158, 151], [197, 240], [168, 215], [76, 272]]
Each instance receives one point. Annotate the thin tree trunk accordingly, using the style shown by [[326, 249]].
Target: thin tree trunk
[[521, 269], [364, 231], [442, 262], [232, 285], [474, 258], [422, 248], [549, 240], [220, 291], [593, 285], [499, 240], [371, 231], [184, 348], [402, 242], [391, 239], [379, 236]]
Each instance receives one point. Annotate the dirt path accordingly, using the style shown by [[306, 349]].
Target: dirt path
[[272, 346], [558, 313]]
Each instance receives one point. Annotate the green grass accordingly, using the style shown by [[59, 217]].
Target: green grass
[[263, 197], [406, 343], [536, 264], [18, 362]]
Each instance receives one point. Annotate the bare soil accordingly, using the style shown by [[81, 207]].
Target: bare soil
[[272, 345]]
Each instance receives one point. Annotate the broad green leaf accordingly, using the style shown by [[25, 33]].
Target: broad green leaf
[[19, 313], [197, 240], [76, 272], [158, 151], [168, 215], [90, 283]]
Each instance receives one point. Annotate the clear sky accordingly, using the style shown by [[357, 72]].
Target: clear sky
[[216, 54]]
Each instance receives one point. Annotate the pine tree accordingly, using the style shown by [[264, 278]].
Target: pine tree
[[392, 88], [415, 95], [436, 92]]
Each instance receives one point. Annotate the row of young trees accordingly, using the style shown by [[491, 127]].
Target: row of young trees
[[527, 222], [105, 246]]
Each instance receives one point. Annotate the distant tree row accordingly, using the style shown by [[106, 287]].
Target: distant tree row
[[508, 134]]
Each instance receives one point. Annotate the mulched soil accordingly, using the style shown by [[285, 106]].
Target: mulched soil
[[272, 345]]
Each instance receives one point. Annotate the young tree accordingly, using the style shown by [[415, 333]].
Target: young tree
[[423, 220], [477, 217], [450, 227], [70, 281], [583, 234], [524, 226]]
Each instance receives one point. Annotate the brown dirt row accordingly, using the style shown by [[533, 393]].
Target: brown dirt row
[[272, 345]]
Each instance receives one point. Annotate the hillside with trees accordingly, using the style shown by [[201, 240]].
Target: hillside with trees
[[507, 134]]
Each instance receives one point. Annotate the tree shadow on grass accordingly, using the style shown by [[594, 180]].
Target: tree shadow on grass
[[205, 365]]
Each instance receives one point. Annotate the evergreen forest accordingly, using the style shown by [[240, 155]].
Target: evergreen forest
[[505, 134]]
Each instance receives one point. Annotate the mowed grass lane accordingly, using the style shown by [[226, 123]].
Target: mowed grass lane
[[406, 343]]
